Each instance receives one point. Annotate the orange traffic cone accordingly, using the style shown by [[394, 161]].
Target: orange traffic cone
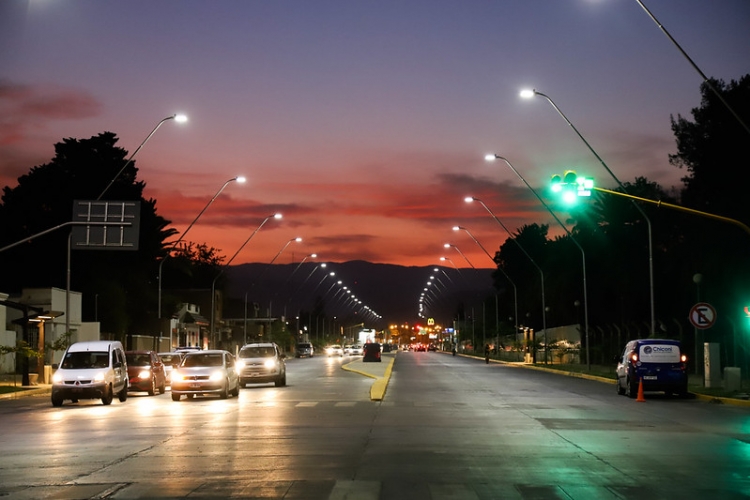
[[640, 397]]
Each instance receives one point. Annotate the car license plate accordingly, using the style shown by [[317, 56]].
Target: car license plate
[[195, 386], [650, 377]]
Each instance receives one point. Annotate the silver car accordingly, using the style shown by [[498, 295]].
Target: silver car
[[205, 372]]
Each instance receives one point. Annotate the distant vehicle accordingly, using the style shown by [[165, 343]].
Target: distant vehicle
[[356, 350], [304, 349], [171, 360], [146, 372], [206, 372], [187, 349], [347, 350], [91, 370], [657, 363], [261, 362], [371, 352], [432, 348], [334, 350]]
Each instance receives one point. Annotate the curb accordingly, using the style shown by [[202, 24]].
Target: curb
[[378, 388], [25, 392], [701, 397]]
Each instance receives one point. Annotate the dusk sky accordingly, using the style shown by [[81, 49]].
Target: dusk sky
[[364, 123]]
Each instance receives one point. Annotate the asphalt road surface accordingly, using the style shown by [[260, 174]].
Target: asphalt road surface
[[448, 428]]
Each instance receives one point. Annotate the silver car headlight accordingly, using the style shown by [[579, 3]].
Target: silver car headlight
[[270, 363], [216, 376]]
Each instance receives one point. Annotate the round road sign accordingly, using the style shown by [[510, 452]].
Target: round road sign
[[702, 315]]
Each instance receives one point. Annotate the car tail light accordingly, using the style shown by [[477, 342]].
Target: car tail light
[[634, 357], [683, 358]]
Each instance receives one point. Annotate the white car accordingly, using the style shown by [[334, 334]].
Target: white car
[[356, 350], [205, 372], [334, 350], [347, 350]]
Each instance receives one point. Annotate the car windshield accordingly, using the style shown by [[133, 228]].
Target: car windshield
[[83, 360], [303, 346], [138, 359], [169, 358], [203, 360], [258, 352]]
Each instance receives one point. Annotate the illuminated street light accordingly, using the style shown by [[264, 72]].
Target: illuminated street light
[[531, 93], [240, 180], [493, 157], [224, 267], [179, 118], [470, 199], [450, 245]]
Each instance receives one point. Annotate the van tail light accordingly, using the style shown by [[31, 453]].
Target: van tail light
[[683, 358], [634, 357]]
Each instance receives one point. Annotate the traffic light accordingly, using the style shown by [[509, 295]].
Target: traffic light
[[571, 186]]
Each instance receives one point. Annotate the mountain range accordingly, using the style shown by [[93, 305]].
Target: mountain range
[[391, 292]]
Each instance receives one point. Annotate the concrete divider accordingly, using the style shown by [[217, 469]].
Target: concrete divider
[[381, 372]]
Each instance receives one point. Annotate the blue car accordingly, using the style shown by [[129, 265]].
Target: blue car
[[659, 364]]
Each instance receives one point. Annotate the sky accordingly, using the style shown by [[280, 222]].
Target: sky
[[365, 123]]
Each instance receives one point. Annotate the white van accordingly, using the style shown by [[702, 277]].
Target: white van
[[91, 370]]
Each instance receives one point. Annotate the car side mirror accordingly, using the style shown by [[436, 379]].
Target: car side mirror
[[117, 364], [55, 366]]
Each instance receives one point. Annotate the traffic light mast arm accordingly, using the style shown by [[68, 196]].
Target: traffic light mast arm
[[676, 207]]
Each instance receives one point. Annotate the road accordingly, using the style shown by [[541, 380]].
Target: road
[[448, 428]]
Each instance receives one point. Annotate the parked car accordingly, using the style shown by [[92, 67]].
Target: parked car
[[356, 350], [261, 362], [206, 372], [146, 372], [304, 349], [371, 352], [91, 370], [334, 350], [657, 363], [171, 361]]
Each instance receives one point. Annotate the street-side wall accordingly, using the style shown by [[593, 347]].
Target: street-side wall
[[7, 361]]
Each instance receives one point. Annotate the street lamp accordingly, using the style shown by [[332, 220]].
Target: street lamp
[[493, 157], [531, 93], [257, 280], [239, 179], [470, 199], [706, 81], [213, 283], [515, 290], [179, 118], [450, 245]]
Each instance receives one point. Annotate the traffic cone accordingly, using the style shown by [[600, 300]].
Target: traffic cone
[[640, 397]]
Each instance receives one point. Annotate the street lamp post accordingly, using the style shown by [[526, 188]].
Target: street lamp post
[[531, 93], [240, 180], [706, 81], [179, 118], [470, 199], [493, 157], [224, 267], [515, 289]]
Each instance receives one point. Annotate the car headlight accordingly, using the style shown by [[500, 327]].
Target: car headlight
[[144, 374], [99, 377], [240, 364], [175, 376], [57, 378], [270, 363], [216, 376]]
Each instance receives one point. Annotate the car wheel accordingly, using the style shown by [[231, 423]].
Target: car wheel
[[73, 400], [152, 387], [243, 383], [620, 389], [163, 388], [123, 395], [631, 389], [107, 397], [236, 391], [225, 391], [175, 397], [57, 400]]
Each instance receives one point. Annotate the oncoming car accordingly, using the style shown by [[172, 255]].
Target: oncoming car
[[205, 372], [91, 370], [304, 349], [658, 364], [261, 363], [334, 350], [146, 372]]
